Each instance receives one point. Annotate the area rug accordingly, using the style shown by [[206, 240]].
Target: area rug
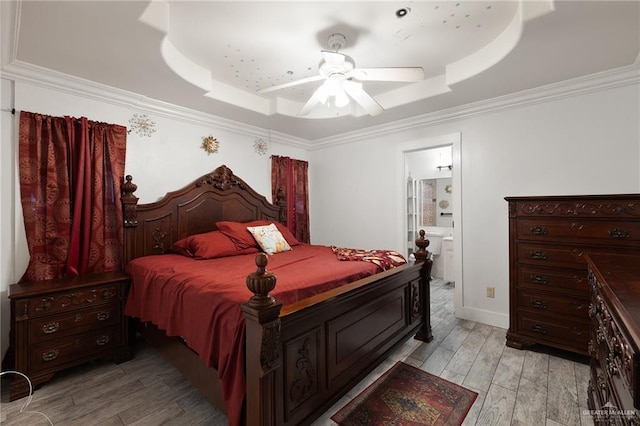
[[407, 396]]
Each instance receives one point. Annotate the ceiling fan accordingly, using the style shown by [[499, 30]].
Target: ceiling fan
[[342, 80]]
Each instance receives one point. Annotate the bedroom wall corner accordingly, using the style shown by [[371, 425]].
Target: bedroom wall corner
[[7, 208]]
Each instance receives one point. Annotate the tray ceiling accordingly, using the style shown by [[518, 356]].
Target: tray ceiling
[[214, 56]]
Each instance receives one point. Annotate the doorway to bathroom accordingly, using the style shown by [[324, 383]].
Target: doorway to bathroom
[[429, 190], [405, 152]]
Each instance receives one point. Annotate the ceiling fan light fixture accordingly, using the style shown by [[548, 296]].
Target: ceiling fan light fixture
[[339, 72], [333, 86], [341, 99]]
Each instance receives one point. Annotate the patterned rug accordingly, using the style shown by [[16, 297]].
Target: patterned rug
[[407, 396]]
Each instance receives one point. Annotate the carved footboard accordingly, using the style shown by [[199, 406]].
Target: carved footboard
[[301, 358]]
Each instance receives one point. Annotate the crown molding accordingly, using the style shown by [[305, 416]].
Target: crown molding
[[34, 75], [43, 77], [605, 80]]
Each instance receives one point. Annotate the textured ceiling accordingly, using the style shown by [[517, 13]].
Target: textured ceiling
[[214, 56]]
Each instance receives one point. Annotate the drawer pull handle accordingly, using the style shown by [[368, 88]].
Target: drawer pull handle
[[44, 305], [538, 230], [78, 317], [52, 327], [102, 340], [50, 355], [619, 233], [109, 293], [540, 304], [103, 316], [539, 279], [539, 328], [539, 255], [576, 225]]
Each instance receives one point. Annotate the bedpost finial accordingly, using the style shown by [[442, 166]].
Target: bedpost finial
[[128, 187], [422, 243], [261, 283]]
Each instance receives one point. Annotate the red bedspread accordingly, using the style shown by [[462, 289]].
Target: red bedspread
[[199, 300]]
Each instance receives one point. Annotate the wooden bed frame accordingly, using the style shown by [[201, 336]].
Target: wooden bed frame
[[300, 358]]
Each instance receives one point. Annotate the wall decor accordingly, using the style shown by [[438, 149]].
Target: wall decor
[[142, 125], [210, 144], [260, 146]]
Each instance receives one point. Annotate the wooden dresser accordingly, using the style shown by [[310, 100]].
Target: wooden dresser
[[548, 238], [64, 322], [614, 347]]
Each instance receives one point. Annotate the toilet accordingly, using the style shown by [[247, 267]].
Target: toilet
[[435, 242], [435, 249]]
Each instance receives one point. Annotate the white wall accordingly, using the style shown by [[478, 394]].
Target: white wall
[[583, 144], [7, 185], [168, 160]]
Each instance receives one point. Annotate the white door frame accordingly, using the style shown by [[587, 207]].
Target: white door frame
[[455, 140]]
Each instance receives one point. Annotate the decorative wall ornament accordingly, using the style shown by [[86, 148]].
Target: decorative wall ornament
[[142, 125], [210, 144], [260, 146]]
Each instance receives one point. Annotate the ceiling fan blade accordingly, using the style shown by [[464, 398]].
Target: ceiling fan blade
[[289, 84], [409, 74], [362, 98], [333, 59], [319, 97]]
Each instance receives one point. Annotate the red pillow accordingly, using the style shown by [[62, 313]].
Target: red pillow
[[209, 245], [242, 238]]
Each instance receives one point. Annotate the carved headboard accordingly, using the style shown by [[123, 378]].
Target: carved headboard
[[153, 228]]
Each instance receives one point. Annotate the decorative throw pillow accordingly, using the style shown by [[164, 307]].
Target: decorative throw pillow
[[243, 239], [269, 238], [209, 245]]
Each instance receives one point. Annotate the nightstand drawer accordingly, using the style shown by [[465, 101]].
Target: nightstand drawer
[[67, 301], [51, 355], [56, 326]]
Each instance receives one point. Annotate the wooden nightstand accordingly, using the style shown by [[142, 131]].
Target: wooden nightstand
[[60, 323]]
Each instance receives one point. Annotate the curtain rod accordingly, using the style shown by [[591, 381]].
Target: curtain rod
[[12, 110]]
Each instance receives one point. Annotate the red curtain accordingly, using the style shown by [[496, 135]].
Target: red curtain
[[70, 175], [292, 176]]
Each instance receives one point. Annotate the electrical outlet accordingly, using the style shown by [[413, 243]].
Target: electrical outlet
[[491, 292]]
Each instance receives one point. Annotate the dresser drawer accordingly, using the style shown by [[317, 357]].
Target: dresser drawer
[[578, 229], [51, 355], [550, 329], [63, 324], [569, 281], [543, 302], [552, 255], [620, 207], [67, 301]]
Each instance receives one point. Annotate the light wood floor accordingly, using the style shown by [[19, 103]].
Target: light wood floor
[[515, 387]]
